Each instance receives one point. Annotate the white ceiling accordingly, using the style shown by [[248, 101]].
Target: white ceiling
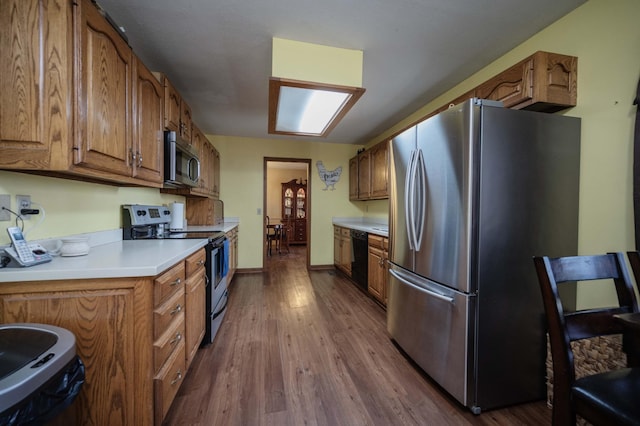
[[217, 53]]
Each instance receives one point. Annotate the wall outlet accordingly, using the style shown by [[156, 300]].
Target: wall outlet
[[5, 201], [23, 202]]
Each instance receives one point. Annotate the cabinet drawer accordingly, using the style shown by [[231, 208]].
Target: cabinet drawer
[[168, 342], [194, 262], [336, 230], [168, 381], [376, 241], [345, 232], [167, 284], [166, 313]]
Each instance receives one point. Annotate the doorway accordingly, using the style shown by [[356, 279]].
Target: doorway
[[279, 175]]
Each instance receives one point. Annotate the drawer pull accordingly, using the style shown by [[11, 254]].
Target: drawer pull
[[176, 282], [176, 339], [201, 262], [177, 309], [178, 378]]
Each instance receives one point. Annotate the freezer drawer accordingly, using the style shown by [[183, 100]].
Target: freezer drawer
[[431, 323]]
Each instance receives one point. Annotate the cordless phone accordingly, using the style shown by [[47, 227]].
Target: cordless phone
[[23, 253]]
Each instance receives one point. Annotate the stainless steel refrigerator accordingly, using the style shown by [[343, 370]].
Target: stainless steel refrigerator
[[476, 192]]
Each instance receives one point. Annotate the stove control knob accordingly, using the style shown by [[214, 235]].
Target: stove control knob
[[142, 213]]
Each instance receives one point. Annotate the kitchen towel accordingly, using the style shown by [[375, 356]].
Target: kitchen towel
[[177, 216], [225, 258]]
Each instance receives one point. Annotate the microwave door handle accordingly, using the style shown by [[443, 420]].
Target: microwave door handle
[[191, 169]]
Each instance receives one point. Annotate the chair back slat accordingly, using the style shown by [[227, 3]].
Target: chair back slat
[[582, 268]]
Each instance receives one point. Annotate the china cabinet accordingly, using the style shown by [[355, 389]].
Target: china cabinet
[[294, 209]]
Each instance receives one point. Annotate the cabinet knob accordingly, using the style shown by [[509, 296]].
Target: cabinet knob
[[178, 378], [176, 282], [177, 309], [176, 339]]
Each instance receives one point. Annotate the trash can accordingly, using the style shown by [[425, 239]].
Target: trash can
[[40, 373]]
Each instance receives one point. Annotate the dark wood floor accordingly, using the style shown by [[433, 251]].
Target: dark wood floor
[[309, 348]]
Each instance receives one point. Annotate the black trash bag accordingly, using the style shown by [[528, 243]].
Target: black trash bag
[[50, 400]]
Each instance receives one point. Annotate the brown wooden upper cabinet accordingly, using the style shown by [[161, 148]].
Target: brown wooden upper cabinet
[[368, 173], [177, 112], [148, 97], [544, 81], [77, 73]]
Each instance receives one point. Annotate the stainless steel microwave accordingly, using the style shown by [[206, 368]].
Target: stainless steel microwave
[[181, 163]]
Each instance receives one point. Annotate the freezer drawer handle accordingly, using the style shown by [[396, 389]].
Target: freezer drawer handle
[[422, 289]]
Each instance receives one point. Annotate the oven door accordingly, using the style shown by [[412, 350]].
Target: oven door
[[216, 290]]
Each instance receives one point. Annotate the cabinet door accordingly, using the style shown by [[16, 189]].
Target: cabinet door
[[147, 125], [111, 326], [186, 121], [35, 81], [379, 170], [364, 175], [512, 86], [288, 198], [104, 80], [353, 178], [172, 103], [376, 273], [337, 249], [195, 313], [345, 253], [215, 172]]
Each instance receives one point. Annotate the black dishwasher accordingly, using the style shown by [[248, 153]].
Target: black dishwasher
[[359, 262]]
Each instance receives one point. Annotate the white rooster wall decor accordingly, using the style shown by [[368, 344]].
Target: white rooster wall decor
[[329, 177]]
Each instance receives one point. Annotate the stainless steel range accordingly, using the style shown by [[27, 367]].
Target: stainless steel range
[[144, 222]]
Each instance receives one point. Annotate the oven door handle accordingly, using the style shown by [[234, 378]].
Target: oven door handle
[[226, 302]]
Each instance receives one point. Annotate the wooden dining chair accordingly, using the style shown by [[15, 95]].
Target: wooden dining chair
[[287, 230], [608, 398], [271, 235]]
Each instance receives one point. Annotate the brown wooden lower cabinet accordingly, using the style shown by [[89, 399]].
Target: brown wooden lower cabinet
[[378, 269], [129, 334], [342, 249]]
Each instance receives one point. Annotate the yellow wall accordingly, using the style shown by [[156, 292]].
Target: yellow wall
[[605, 36], [72, 207], [242, 185]]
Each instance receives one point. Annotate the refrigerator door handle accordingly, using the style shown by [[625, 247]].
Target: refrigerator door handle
[[422, 289], [408, 200], [419, 177]]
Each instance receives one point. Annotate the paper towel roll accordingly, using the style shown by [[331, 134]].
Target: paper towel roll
[[177, 216]]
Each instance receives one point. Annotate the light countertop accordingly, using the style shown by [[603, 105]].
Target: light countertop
[[111, 257], [361, 224]]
